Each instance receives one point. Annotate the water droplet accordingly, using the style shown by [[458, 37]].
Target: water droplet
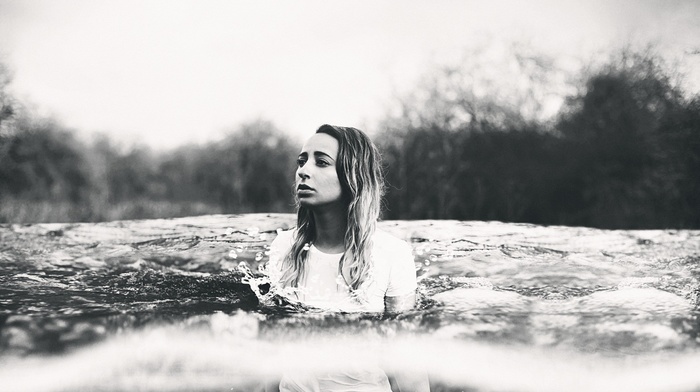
[[419, 251], [243, 267], [433, 258], [267, 253], [426, 262], [229, 231], [233, 254], [258, 256], [239, 248]]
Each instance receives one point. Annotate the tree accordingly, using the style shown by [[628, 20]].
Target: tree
[[504, 86], [251, 170], [7, 102], [452, 146], [618, 146], [42, 160]]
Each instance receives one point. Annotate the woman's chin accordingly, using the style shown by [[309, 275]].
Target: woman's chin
[[311, 203], [306, 202]]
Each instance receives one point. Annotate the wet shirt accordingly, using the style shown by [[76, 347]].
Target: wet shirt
[[392, 274]]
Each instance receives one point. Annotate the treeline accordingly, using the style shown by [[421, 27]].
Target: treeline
[[623, 151], [47, 175]]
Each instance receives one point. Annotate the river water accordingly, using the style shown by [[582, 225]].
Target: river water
[[167, 305]]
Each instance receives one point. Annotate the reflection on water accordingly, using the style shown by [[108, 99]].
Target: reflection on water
[[167, 305]]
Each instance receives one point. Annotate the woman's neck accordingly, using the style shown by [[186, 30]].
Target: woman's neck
[[330, 224]]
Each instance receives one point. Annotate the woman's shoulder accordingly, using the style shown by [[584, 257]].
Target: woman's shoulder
[[282, 242], [386, 242], [394, 264], [284, 237]]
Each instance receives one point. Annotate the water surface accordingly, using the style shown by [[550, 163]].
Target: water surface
[[167, 305]]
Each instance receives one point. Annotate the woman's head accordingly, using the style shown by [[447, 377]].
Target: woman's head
[[317, 182], [338, 165], [358, 176]]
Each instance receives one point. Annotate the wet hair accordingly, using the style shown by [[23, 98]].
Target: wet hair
[[362, 183]]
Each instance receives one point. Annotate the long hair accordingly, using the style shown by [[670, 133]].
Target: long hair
[[362, 183]]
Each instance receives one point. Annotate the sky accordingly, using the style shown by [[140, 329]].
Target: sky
[[170, 72]]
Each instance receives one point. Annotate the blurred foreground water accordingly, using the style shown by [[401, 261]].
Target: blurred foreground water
[[167, 305]]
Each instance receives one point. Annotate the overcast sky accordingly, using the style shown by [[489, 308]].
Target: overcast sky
[[169, 72]]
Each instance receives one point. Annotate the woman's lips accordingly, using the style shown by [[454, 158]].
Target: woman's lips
[[303, 189]]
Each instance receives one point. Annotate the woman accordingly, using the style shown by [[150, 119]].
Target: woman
[[336, 258]]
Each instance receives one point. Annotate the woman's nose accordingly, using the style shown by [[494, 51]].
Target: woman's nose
[[301, 172]]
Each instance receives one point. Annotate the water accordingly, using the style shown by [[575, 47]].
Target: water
[[167, 305]]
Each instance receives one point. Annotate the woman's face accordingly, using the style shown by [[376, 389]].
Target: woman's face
[[317, 182]]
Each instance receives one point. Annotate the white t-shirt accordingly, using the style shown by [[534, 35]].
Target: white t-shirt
[[392, 274]]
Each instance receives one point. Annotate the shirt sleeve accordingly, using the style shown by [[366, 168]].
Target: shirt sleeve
[[402, 277]]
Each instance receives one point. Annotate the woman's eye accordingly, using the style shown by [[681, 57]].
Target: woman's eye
[[322, 163], [301, 162]]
